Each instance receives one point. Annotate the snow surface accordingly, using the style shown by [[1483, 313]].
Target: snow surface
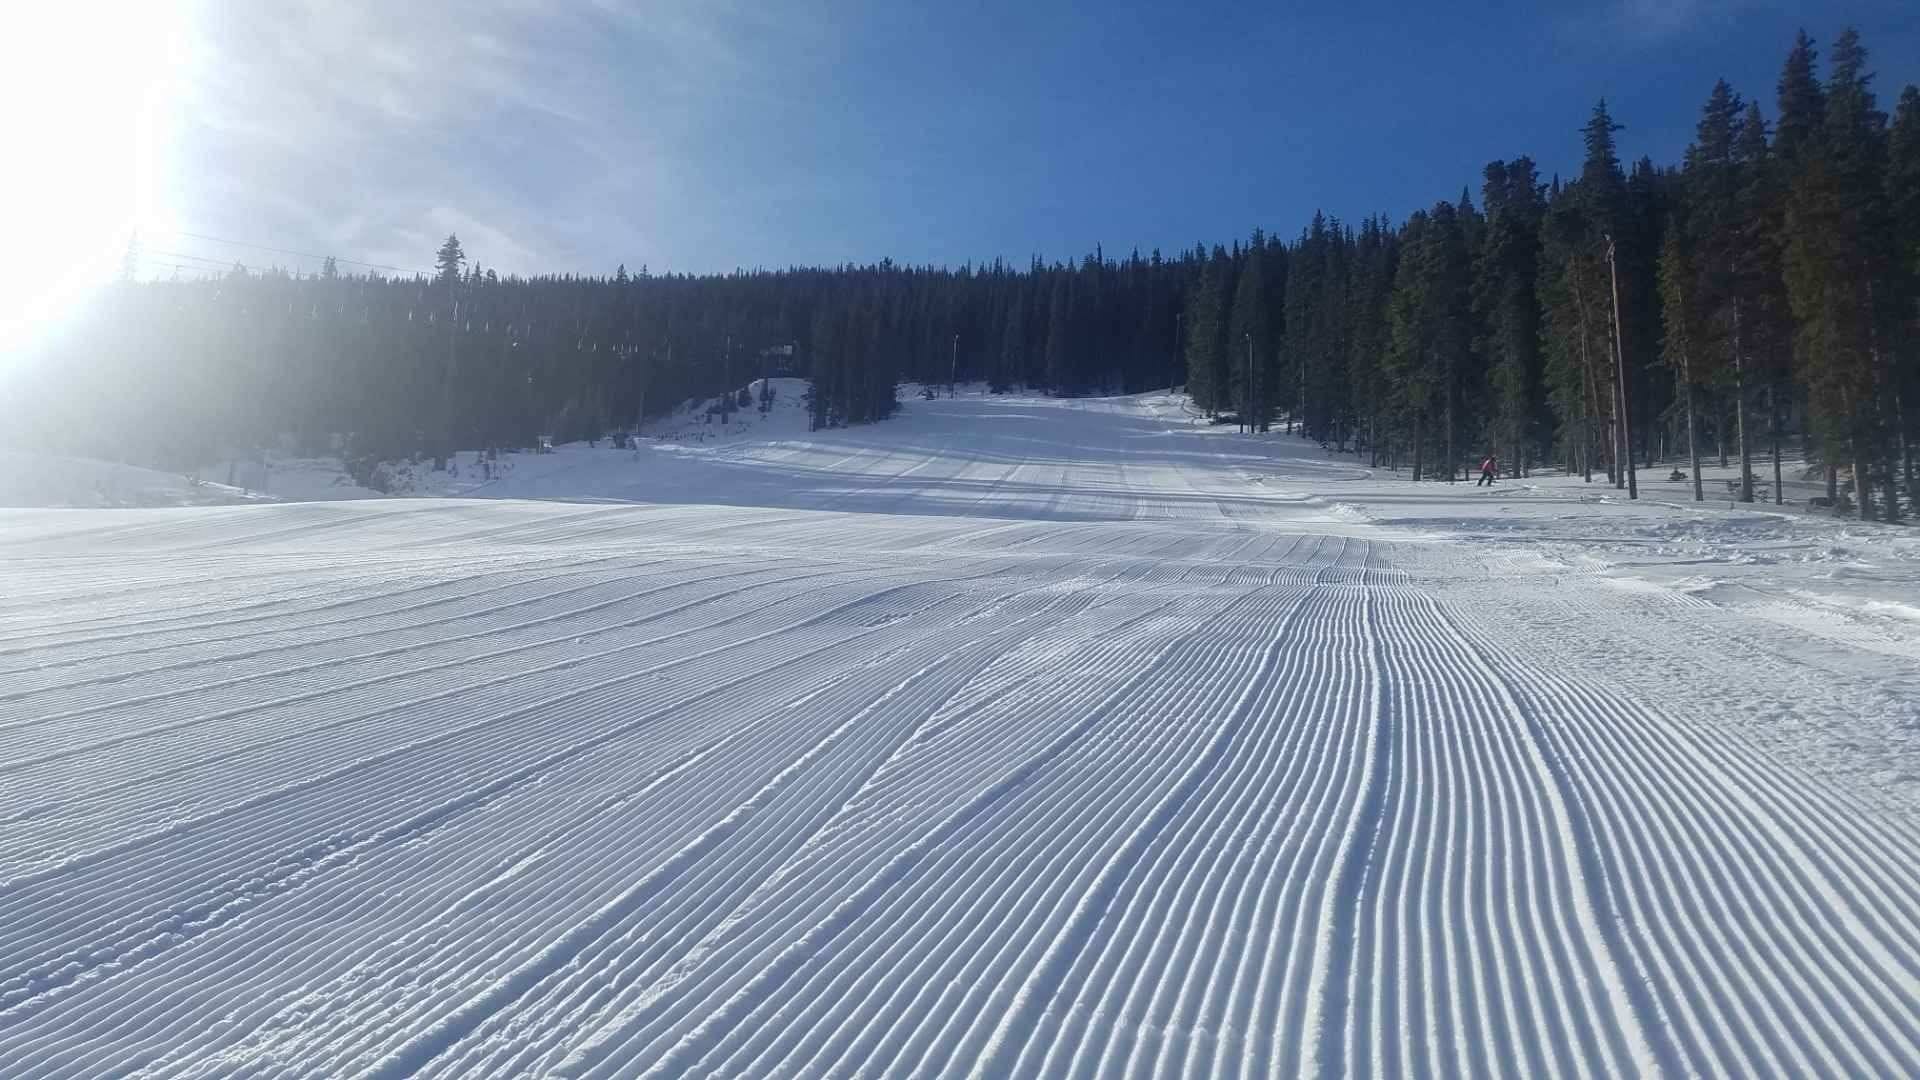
[[1010, 737], [32, 479]]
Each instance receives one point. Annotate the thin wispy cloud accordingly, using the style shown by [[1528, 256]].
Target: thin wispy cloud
[[1649, 22], [354, 126]]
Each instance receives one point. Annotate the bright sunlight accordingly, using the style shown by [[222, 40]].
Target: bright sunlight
[[89, 95]]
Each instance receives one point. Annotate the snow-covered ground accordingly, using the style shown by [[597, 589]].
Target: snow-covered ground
[[40, 479], [32, 479], [1009, 737]]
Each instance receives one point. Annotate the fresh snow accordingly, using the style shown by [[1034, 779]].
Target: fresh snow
[[1012, 736]]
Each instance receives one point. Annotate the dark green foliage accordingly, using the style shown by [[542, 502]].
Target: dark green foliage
[[1370, 289], [448, 261], [1430, 354], [1802, 104], [1208, 379], [1903, 207], [1506, 274], [1251, 336], [1838, 262]]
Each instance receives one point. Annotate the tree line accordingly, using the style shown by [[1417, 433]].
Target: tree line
[[1762, 291], [1766, 287]]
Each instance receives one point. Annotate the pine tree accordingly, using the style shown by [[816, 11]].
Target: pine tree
[[1326, 408], [1766, 322], [1507, 307], [1903, 206], [1677, 281], [1903, 181], [449, 260], [1802, 105], [1431, 318], [1304, 340], [1835, 257], [1251, 335], [1576, 342], [1369, 336], [1651, 194], [1206, 364], [1602, 194], [1013, 344], [1059, 336], [1718, 241]]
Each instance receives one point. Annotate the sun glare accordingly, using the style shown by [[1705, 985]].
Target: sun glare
[[89, 92]]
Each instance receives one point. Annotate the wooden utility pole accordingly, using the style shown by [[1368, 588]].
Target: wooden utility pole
[[1624, 457], [953, 373]]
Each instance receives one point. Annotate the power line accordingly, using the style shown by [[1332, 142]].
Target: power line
[[225, 263], [214, 264], [289, 251], [155, 265]]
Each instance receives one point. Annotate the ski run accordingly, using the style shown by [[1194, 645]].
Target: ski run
[[1010, 737]]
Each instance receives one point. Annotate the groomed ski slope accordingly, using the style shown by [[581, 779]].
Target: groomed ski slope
[[1007, 738]]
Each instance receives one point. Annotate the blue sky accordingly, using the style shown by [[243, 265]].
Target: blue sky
[[712, 135]]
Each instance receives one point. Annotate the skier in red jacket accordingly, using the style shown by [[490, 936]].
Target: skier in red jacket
[[1488, 470]]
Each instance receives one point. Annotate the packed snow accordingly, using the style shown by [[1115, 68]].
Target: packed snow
[[1010, 737]]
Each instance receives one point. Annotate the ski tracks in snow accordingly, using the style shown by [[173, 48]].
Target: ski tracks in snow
[[1135, 788]]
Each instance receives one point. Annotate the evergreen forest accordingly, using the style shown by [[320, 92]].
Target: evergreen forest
[[1759, 296]]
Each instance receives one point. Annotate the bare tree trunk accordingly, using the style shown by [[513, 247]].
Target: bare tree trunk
[[1904, 447], [1882, 369], [1693, 442], [1862, 482], [1740, 409], [1419, 446], [1906, 461], [1303, 397], [1773, 422], [1586, 450], [1720, 431], [1693, 451]]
